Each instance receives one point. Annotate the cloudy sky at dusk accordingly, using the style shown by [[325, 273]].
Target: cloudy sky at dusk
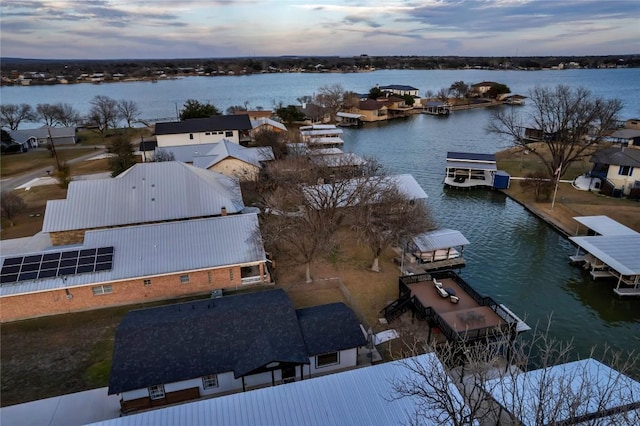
[[106, 29]]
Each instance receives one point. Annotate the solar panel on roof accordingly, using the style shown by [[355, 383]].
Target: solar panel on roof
[[48, 265]]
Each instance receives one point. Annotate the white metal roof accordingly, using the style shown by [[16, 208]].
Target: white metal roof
[[147, 192], [326, 151], [158, 249], [186, 153], [261, 121], [356, 397], [440, 239], [471, 165], [227, 149], [595, 386], [321, 132], [604, 225], [620, 252], [348, 115], [325, 140]]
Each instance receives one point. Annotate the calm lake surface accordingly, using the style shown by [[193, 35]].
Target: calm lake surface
[[513, 256]]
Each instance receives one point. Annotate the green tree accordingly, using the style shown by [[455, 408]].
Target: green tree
[[290, 114], [122, 156], [375, 93], [193, 108], [498, 89], [409, 100]]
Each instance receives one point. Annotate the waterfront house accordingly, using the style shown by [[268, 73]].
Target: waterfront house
[[145, 193], [397, 107], [228, 344], [234, 160], [266, 124], [626, 137], [481, 89], [134, 264], [235, 128], [42, 136], [371, 110], [619, 171], [400, 90]]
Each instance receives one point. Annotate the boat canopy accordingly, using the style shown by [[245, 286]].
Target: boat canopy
[[440, 239], [604, 225], [472, 166], [619, 252]]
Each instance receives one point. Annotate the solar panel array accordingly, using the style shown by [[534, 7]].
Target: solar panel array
[[56, 264]]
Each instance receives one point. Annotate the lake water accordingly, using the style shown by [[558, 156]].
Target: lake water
[[514, 257]]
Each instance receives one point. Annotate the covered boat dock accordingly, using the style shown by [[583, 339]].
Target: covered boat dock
[[440, 249]]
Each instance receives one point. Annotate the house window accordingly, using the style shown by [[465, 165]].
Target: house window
[[190, 135], [207, 133], [156, 392], [230, 274], [228, 134], [327, 359], [210, 381], [102, 289], [625, 171], [184, 279], [146, 282]]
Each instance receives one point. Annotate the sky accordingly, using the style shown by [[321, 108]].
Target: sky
[[146, 29]]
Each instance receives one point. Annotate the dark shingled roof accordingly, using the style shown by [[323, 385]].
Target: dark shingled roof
[[189, 340], [617, 157], [470, 156], [397, 87], [330, 328], [213, 123], [371, 105]]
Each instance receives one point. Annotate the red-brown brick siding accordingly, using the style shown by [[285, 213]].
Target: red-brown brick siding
[[13, 308]]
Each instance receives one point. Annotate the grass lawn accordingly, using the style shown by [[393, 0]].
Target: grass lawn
[[16, 164], [91, 138], [29, 222]]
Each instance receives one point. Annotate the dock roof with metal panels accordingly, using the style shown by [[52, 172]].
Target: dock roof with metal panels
[[604, 225], [619, 252], [439, 239]]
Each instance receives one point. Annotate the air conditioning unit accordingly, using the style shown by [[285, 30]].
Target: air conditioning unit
[[216, 294]]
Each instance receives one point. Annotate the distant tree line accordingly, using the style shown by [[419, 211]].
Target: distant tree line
[[71, 69]]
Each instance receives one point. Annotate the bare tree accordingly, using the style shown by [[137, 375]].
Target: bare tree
[[273, 139], [386, 216], [571, 122], [11, 205], [539, 184], [161, 155], [128, 111], [48, 113], [103, 114], [443, 94], [67, 115], [11, 115], [496, 390], [330, 98]]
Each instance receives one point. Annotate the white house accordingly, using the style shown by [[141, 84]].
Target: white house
[[235, 128], [228, 344], [619, 170]]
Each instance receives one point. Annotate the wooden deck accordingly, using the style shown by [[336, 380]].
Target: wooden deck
[[466, 315], [627, 292]]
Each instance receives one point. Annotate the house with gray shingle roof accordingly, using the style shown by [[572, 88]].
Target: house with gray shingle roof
[[228, 344], [619, 170]]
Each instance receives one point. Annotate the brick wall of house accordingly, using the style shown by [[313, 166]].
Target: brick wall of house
[[75, 299]]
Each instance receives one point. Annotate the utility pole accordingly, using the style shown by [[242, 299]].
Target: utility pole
[[53, 148]]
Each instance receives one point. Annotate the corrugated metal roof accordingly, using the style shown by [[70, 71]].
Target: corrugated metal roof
[[440, 239], [607, 389], [620, 252], [147, 192], [356, 397], [321, 132], [163, 248], [604, 225], [186, 153], [348, 115], [261, 121]]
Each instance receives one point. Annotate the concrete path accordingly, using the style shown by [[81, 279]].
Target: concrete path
[[67, 410]]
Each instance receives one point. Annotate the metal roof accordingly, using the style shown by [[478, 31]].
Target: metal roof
[[261, 121], [620, 252], [440, 239], [186, 153], [563, 385], [321, 132], [348, 115], [226, 149], [147, 192], [626, 134], [356, 397], [164, 248], [470, 156], [195, 125], [604, 225], [22, 136]]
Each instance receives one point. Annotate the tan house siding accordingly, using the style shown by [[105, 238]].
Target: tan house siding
[[236, 168], [76, 299]]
